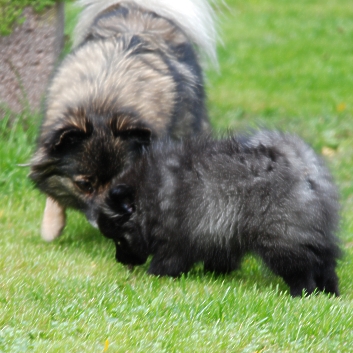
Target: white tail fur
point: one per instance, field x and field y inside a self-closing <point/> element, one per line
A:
<point x="194" y="17"/>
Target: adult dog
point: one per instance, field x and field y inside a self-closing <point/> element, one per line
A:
<point x="134" y="75"/>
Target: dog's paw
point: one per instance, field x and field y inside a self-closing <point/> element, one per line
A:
<point x="53" y="220"/>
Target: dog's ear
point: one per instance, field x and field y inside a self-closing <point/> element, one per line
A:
<point x="121" y="199"/>
<point x="139" y="135"/>
<point x="73" y="131"/>
<point x="67" y="137"/>
<point x="127" y="126"/>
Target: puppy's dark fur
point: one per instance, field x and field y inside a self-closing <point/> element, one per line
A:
<point x="214" y="201"/>
<point x="134" y="76"/>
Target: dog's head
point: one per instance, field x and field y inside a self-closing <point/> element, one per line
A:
<point x="115" y="222"/>
<point x="80" y="153"/>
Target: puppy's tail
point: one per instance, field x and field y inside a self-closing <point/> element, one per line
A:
<point x="194" y="17"/>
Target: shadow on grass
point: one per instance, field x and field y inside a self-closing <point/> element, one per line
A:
<point x="89" y="241"/>
<point x="252" y="274"/>
<point x="79" y="237"/>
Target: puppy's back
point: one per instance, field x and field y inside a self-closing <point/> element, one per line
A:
<point x="230" y="188"/>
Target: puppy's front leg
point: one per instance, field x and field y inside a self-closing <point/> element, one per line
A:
<point x="173" y="265"/>
<point x="54" y="220"/>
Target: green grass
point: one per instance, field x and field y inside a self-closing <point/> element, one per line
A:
<point x="285" y="65"/>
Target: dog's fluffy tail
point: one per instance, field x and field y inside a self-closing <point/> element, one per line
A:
<point x="194" y="17"/>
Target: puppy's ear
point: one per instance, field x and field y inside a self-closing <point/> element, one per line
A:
<point x="121" y="199"/>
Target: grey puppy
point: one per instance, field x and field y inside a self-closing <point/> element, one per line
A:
<point x="134" y="75"/>
<point x="214" y="201"/>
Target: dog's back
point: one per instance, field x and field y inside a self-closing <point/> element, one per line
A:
<point x="129" y="57"/>
<point x="193" y="17"/>
<point x="163" y="42"/>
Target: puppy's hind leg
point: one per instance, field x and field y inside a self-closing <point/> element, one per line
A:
<point x="53" y="220"/>
<point x="293" y="265"/>
<point x="326" y="278"/>
<point x="300" y="283"/>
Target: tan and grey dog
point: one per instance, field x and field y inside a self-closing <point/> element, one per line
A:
<point x="133" y="75"/>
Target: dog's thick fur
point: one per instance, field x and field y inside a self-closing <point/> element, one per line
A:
<point x="133" y="76"/>
<point x="214" y="201"/>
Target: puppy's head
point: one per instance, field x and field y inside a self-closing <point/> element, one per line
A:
<point x="79" y="154"/>
<point x="115" y="222"/>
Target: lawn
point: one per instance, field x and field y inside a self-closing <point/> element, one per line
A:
<point x="285" y="65"/>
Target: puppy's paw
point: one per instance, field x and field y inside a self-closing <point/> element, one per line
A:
<point x="53" y="220"/>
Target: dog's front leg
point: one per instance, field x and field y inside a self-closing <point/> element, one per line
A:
<point x="54" y="220"/>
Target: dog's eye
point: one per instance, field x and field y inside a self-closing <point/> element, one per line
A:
<point x="84" y="186"/>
